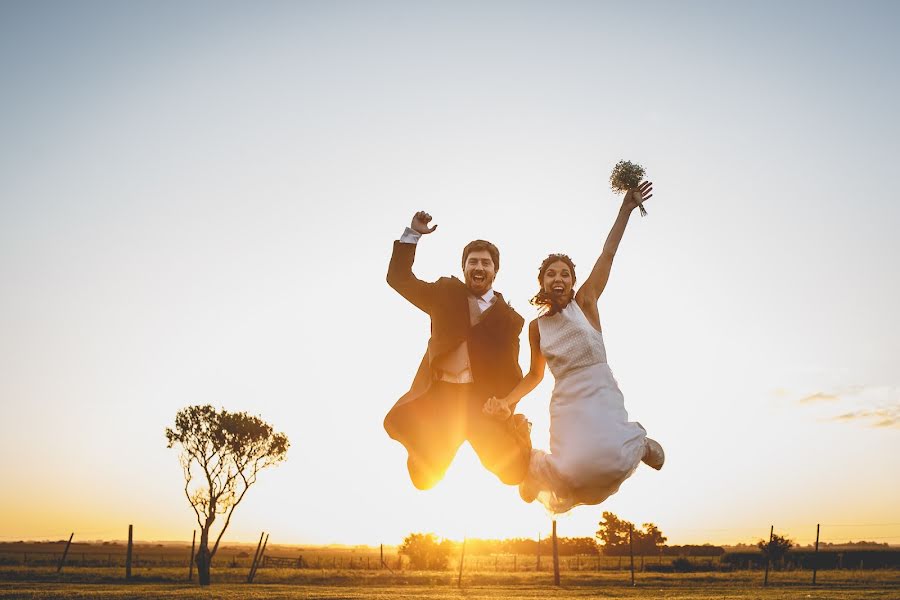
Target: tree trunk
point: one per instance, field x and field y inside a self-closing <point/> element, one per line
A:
<point x="203" y="559"/>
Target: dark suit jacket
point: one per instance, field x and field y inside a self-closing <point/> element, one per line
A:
<point x="493" y="343"/>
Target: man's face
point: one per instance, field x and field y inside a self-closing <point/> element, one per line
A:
<point x="479" y="271"/>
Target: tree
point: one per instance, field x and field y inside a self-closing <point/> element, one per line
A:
<point x="613" y="534"/>
<point x="574" y="546"/>
<point x="775" y="549"/>
<point x="425" y="552"/>
<point x="649" y="540"/>
<point x="221" y="455"/>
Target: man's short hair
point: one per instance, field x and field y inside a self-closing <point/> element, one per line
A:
<point x="482" y="245"/>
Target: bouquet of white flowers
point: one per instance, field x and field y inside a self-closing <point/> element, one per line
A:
<point x="625" y="176"/>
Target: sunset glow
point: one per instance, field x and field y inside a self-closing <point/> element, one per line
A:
<point x="198" y="202"/>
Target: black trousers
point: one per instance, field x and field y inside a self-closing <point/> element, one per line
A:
<point x="433" y="426"/>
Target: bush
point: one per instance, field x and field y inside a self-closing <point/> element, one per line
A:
<point x="425" y="553"/>
<point x="682" y="565"/>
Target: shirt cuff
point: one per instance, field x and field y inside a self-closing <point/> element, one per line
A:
<point x="410" y="236"/>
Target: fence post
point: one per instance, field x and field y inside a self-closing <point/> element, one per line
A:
<point x="191" y="559"/>
<point x="816" y="554"/>
<point x="255" y="558"/>
<point x="555" y="557"/>
<point x="65" y="552"/>
<point x="259" y="560"/>
<point x="631" y="551"/>
<point x="462" y="560"/>
<point x="768" y="555"/>
<point x="128" y="554"/>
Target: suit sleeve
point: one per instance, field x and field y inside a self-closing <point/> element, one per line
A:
<point x="401" y="278"/>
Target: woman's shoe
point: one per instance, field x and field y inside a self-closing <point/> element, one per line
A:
<point x="654" y="456"/>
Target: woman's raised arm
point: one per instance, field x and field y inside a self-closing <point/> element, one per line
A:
<point x="593" y="286"/>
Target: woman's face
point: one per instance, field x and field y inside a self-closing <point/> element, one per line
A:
<point x="558" y="280"/>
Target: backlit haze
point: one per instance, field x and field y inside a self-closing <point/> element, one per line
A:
<point x="198" y="201"/>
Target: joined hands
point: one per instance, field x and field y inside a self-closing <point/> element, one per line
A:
<point x="497" y="408"/>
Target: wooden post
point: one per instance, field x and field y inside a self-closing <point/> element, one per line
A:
<point x="631" y="551"/>
<point x="128" y="554"/>
<point x="768" y="555"/>
<point x="262" y="555"/>
<point x="384" y="565"/>
<point x="255" y="558"/>
<point x="462" y="560"/>
<point x="555" y="557"/>
<point x="62" y="559"/>
<point x="259" y="560"/>
<point x="816" y="554"/>
<point x="191" y="560"/>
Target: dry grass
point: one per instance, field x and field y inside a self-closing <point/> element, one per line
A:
<point x="48" y="591"/>
<point x="106" y="583"/>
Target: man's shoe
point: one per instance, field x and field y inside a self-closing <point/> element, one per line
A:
<point x="653" y="454"/>
<point x="527" y="490"/>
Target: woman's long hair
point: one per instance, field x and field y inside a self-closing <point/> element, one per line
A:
<point x="546" y="302"/>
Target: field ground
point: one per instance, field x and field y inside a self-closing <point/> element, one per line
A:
<point x="41" y="583"/>
<point x="48" y="591"/>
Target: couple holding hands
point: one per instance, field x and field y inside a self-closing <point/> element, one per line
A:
<point x="469" y="382"/>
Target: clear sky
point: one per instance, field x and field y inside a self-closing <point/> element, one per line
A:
<point x="198" y="200"/>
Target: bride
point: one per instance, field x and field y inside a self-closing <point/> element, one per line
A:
<point x="593" y="445"/>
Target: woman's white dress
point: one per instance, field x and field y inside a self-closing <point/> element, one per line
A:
<point x="593" y="445"/>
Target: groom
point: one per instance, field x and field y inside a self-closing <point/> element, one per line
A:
<point x="473" y="354"/>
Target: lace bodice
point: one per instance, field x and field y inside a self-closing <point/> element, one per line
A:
<point x="569" y="341"/>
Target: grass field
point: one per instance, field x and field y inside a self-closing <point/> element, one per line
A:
<point x="236" y="592"/>
<point x="108" y="584"/>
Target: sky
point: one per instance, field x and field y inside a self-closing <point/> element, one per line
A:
<point x="198" y="202"/>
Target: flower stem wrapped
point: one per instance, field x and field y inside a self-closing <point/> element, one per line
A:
<point x="626" y="176"/>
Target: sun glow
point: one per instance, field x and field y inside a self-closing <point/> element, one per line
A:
<point x="472" y="502"/>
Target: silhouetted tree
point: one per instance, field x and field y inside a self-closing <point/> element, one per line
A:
<point x="581" y="545"/>
<point x="775" y="549"/>
<point x="613" y="536"/>
<point x="649" y="540"/>
<point x="221" y="455"/>
<point x="425" y="552"/>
